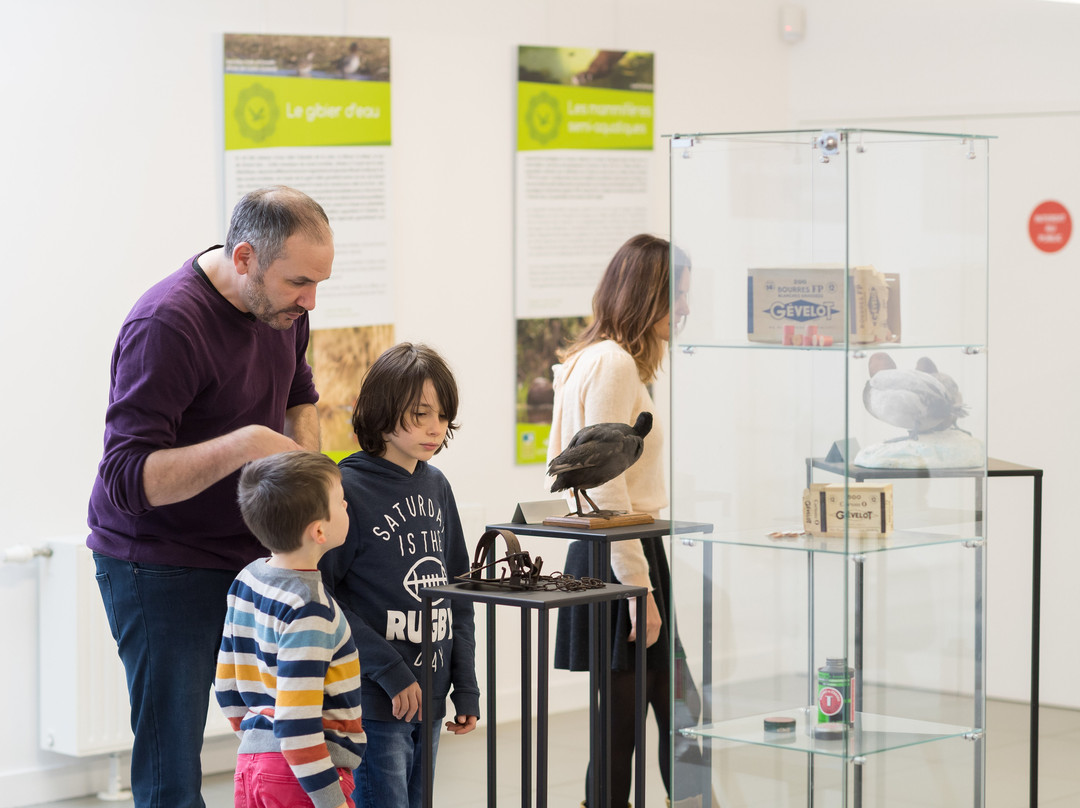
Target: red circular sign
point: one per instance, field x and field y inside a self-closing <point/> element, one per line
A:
<point x="830" y="700"/>
<point x="1050" y="226"/>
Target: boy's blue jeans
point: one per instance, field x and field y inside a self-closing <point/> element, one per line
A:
<point x="167" y="623"/>
<point x="391" y="772"/>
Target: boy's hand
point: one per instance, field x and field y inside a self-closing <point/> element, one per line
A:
<point x="408" y="702"/>
<point x="461" y="724"/>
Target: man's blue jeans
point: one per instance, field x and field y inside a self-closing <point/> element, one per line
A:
<point x="391" y="773"/>
<point x="167" y="624"/>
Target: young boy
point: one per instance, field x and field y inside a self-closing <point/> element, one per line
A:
<point x="288" y="677"/>
<point x="404" y="534"/>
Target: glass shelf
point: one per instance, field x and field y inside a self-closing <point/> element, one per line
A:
<point x="855" y="347"/>
<point x="897" y="540"/>
<point x="871" y="734"/>
<point x="786" y="135"/>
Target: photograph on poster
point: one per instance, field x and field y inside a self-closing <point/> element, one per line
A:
<point x="584" y="67"/>
<point x="538" y="341"/>
<point x="339" y="358"/>
<point x="317" y="57"/>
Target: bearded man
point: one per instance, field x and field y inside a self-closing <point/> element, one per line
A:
<point x="208" y="373"/>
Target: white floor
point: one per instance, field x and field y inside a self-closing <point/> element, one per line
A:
<point x="919" y="780"/>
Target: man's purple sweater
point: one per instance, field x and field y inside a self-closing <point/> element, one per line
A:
<point x="189" y="366"/>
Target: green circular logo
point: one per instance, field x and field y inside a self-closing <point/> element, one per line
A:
<point x="256" y="112"/>
<point x="543" y="117"/>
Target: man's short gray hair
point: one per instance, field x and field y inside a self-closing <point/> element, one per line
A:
<point x="266" y="218"/>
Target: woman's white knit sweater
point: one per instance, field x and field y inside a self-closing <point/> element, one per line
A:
<point x="600" y="384"/>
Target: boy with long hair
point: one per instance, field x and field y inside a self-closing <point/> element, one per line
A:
<point x="404" y="533"/>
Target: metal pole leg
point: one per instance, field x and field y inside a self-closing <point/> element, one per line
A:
<point x="641" y="707"/>
<point x="526" y="709"/>
<point x="492" y="746"/>
<point x="1036" y="585"/>
<point x="425" y="700"/>
<point x="542" y="708"/>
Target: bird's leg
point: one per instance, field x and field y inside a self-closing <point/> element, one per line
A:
<point x="577" y="501"/>
<point x="596" y="511"/>
<point x="588" y="499"/>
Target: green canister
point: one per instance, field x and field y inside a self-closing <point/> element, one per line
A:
<point x="834" y="693"/>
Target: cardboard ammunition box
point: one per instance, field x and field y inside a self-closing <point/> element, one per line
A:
<point x="867" y="514"/>
<point x="815" y="296"/>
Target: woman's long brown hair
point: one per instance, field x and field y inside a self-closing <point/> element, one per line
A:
<point x="632" y="296"/>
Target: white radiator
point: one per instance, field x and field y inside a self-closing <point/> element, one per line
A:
<point x="82" y="693"/>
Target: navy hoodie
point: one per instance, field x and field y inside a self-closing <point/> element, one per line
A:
<point x="404" y="534"/>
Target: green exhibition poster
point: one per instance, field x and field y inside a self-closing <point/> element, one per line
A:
<point x="313" y="113"/>
<point x="575" y="98"/>
<point x="288" y="91"/>
<point x="263" y="112"/>
<point x="582" y="118"/>
<point x="584" y="131"/>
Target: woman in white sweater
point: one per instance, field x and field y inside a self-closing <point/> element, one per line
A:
<point x="604" y="377"/>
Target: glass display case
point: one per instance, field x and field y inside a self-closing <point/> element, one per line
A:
<point x="828" y="396"/>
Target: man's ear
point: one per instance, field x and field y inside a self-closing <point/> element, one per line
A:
<point x="243" y="258"/>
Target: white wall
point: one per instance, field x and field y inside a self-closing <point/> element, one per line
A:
<point x="111" y="176"/>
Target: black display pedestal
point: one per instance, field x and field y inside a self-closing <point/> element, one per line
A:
<point x="994" y="468"/>
<point x="600" y="540"/>
<point x="542" y="602"/>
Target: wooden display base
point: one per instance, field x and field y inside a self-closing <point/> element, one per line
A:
<point x="593" y="522"/>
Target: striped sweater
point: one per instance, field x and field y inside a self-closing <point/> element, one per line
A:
<point x="288" y="677"/>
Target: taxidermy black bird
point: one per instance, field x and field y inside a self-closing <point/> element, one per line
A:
<point x="596" y="454"/>
<point x="920" y="400"/>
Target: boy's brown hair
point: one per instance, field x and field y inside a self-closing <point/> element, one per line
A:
<point x="282" y="494"/>
<point x="392" y="387"/>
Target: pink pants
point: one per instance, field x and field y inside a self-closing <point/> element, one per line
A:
<point x="266" y="781"/>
